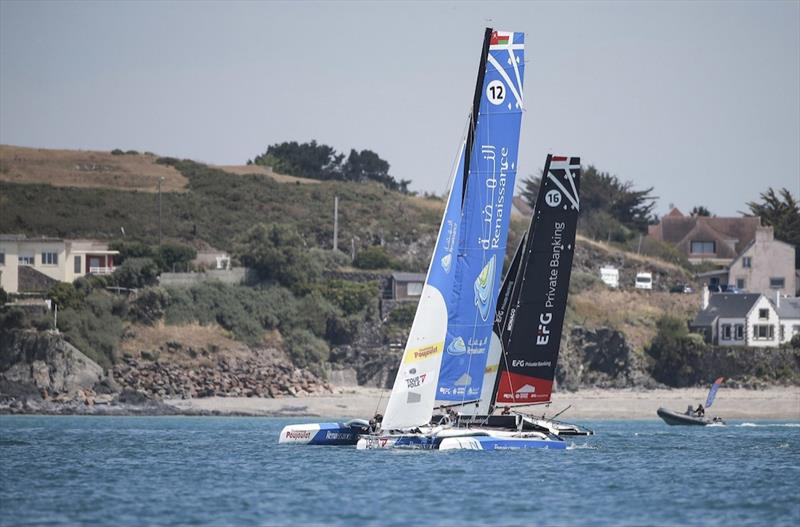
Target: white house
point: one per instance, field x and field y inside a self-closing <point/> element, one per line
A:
<point x="30" y="264"/>
<point x="788" y="309"/>
<point x="738" y="320"/>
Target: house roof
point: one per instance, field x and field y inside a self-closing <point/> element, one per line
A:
<point x="726" y="305"/>
<point x="408" y="277"/>
<point x="678" y="230"/>
<point x="789" y="308"/>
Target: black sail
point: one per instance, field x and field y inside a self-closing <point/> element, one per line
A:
<point x="532" y="325"/>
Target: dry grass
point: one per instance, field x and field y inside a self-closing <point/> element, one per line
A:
<point x="648" y="260"/>
<point x="242" y="170"/>
<point x="83" y="168"/>
<point x="633" y="312"/>
<point x="206" y="343"/>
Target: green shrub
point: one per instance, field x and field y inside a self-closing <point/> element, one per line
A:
<point x="581" y="281"/>
<point x="65" y="295"/>
<point x="277" y="253"/>
<point x="795" y="342"/>
<point x="94" y="328"/>
<point x="3" y="297"/>
<point x="374" y="257"/>
<point x="117" y="152"/>
<point x="403" y="314"/>
<point x="600" y="225"/>
<point x="149" y="306"/>
<point x="136" y="273"/>
<point x="175" y="257"/>
<point x="307" y="350"/>
<point x="350" y="297"/>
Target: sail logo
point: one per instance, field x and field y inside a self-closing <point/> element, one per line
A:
<point x="525" y="393"/>
<point x="483" y="288"/>
<point x="543" y="335"/>
<point x="562" y="168"/>
<point x="446" y="262"/>
<point x="457" y="347"/>
<point x="553" y="198"/>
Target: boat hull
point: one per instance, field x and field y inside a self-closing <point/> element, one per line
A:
<point x="462" y="439"/>
<point x="329" y="434"/>
<point x="678" y="419"/>
<point x="492" y="443"/>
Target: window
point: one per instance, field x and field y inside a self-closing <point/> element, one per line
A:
<point x="703" y="248"/>
<point x="763" y="332"/>
<point x="25" y="259"/>
<point x="776" y="282"/>
<point x="2" y="258"/>
<point x="740" y="283"/>
<point x="49" y="258"/>
<point x="77" y="268"/>
<point x="763" y="313"/>
<point x="739" y="331"/>
<point x="747" y="262"/>
<point x="414" y="288"/>
<point x="726" y="331"/>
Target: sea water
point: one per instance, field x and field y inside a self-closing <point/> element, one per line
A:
<point x="134" y="471"/>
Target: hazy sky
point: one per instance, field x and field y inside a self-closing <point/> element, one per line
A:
<point x="699" y="100"/>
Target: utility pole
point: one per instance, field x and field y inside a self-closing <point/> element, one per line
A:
<point x="335" y="223"/>
<point x="160" y="179"/>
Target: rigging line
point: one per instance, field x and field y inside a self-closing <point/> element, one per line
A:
<point x="377" y="406"/>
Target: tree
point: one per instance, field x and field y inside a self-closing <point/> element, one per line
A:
<point x="700" y="210"/>
<point x="310" y="160"/>
<point x="782" y="212"/>
<point x="604" y="192"/>
<point x="317" y="161"/>
<point x="278" y="253"/>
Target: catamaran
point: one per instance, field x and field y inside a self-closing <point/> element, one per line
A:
<point x="459" y="334"/>
<point x="457" y="304"/>
<point x="525" y="340"/>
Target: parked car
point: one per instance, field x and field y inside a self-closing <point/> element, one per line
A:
<point x="681" y="288"/>
<point x="644" y="280"/>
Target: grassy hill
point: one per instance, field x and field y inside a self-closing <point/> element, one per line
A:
<point x="200" y="202"/>
<point x="54" y="193"/>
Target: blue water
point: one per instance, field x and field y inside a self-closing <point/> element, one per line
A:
<point x="133" y="471"/>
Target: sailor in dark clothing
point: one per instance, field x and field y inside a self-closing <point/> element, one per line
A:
<point x="700" y="412"/>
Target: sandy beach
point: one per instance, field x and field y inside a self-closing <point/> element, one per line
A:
<point x="770" y="403"/>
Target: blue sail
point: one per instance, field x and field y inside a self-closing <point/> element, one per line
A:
<point x="490" y="167"/>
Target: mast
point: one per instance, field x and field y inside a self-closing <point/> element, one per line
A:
<point x="531" y="334"/>
<point x="476" y="106"/>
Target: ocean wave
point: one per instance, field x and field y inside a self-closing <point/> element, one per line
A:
<point x="582" y="446"/>
<point x="768" y="425"/>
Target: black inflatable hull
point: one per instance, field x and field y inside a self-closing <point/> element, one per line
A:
<point x="674" y="418"/>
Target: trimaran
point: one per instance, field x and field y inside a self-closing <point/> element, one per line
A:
<point x="464" y="350"/>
